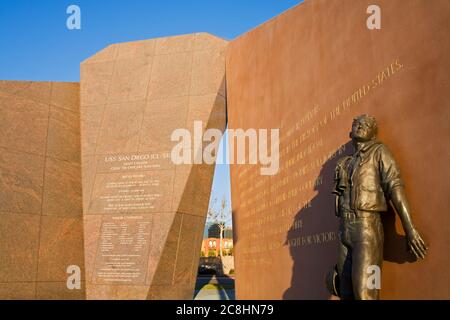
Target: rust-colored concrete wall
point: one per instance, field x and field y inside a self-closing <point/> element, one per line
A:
<point x="41" y="229"/>
<point x="309" y="72"/>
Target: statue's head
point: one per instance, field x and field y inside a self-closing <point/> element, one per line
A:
<point x="364" y="128"/>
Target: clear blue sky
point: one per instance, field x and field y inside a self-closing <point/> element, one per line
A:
<point x="36" y="44"/>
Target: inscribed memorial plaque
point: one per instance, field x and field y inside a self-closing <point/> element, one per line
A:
<point x="143" y="214"/>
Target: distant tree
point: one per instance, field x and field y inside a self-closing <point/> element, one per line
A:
<point x="211" y="253"/>
<point x="219" y="216"/>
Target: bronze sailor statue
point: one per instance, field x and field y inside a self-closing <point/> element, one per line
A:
<point x="365" y="182"/>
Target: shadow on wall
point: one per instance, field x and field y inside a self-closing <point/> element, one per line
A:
<point x="177" y="265"/>
<point x="312" y="262"/>
<point x="395" y="249"/>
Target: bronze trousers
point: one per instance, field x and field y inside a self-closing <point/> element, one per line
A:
<point x="361" y="240"/>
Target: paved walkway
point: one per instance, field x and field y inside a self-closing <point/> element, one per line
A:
<point x="214" y="288"/>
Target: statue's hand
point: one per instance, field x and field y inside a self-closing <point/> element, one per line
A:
<point x="416" y="245"/>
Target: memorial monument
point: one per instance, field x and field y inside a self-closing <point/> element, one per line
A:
<point x="364" y="183"/>
<point x="105" y="196"/>
<point x="144" y="215"/>
<point x="88" y="184"/>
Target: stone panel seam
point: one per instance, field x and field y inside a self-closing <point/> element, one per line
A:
<point x="77" y="113"/>
<point x="194" y="259"/>
<point x="17" y="212"/>
<point x="178" y="248"/>
<point x="29" y="83"/>
<point x="146" y="103"/>
<point x="90" y="106"/>
<point x="43" y="193"/>
<point x="38" y="155"/>
<point x="18" y="95"/>
<point x="98" y="135"/>
<point x="133" y="56"/>
<point x="92" y="275"/>
<point x="174" y="205"/>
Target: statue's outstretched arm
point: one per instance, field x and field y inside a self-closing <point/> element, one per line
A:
<point x="415" y="242"/>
